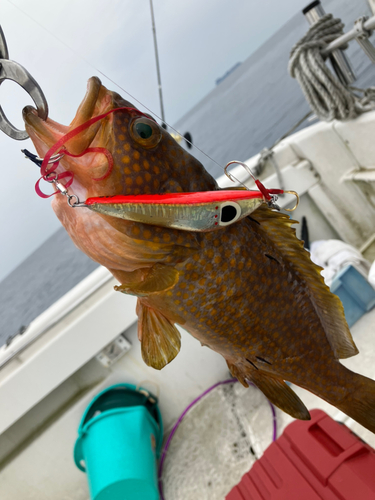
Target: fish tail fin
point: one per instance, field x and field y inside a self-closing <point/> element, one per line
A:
<point x="360" y="403"/>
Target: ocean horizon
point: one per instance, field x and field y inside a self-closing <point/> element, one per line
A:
<point x="258" y="102"/>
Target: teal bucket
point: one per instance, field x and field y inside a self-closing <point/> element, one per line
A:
<point x="119" y="440"/>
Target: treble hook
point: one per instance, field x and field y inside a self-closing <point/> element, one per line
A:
<point x="10" y="70"/>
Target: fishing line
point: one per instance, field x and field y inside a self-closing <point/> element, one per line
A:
<point x="119" y="86"/>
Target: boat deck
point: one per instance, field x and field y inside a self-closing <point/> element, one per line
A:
<point x="46" y="458"/>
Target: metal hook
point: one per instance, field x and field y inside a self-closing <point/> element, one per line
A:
<point x="297" y="201"/>
<point x="10" y="70"/>
<point x="272" y="201"/>
<point x="246" y="167"/>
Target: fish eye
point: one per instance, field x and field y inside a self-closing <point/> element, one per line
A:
<point x="145" y="132"/>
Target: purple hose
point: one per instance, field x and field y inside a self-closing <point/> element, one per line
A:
<point x="274" y="418"/>
<point x="177" y="424"/>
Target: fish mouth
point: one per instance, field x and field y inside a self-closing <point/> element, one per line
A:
<point x="45" y="134"/>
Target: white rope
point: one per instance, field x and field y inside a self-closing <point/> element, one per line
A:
<point x="328" y="98"/>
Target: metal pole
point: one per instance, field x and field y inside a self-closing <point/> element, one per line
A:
<point x="157" y="66"/>
<point x="368" y="25"/>
<point x="339" y="61"/>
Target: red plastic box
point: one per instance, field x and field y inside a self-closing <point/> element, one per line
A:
<point x="315" y="460"/>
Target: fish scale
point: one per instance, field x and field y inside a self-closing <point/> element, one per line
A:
<point x="225" y="301"/>
<point x="248" y="290"/>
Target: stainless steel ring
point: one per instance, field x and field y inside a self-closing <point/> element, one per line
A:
<point x="50" y="179"/>
<point x="70" y="197"/>
<point x="10" y="70"/>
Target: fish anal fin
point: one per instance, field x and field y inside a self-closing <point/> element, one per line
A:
<point x="237" y="373"/>
<point x="159" y="278"/>
<point x="130" y="278"/>
<point x="280" y="394"/>
<point x="160" y="339"/>
<point x="278" y="228"/>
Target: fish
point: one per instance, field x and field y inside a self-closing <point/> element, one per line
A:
<point x="247" y="290"/>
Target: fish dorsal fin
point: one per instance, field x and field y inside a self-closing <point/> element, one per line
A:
<point x="159" y="278"/>
<point x="280" y="394"/>
<point x="328" y="306"/>
<point x="160" y="339"/>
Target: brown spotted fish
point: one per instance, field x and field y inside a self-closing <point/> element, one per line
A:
<point x="247" y="290"/>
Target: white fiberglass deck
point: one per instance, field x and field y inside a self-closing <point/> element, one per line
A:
<point x="45" y="462"/>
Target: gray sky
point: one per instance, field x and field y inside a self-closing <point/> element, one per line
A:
<point x="62" y="43"/>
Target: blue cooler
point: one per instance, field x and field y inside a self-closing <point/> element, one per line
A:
<point x="355" y="292"/>
<point x="119" y="441"/>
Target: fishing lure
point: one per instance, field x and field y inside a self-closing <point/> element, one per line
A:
<point x="202" y="211"/>
<point x="195" y="211"/>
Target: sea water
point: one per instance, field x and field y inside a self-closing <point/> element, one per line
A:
<point x="257" y="103"/>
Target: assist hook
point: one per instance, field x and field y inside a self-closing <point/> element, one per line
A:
<point x="270" y="195"/>
<point x="10" y="70"/>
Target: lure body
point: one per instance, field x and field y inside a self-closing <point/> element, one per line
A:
<point x="204" y="211"/>
<point x="248" y="290"/>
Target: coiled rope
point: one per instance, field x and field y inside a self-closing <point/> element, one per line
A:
<point x="328" y="98"/>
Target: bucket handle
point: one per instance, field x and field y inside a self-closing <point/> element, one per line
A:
<point x="141" y="388"/>
<point x="78" y="456"/>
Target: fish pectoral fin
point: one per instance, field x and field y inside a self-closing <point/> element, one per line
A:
<point x="159" y="278"/>
<point x="160" y="339"/>
<point x="280" y="394"/>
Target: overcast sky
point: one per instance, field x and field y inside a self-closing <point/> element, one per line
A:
<point x="62" y="43"/>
